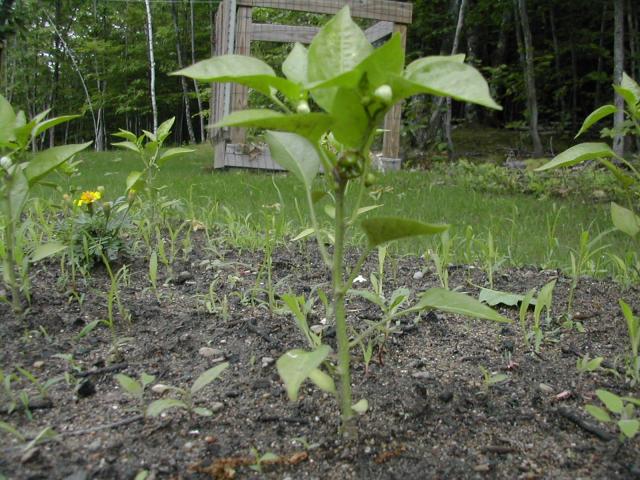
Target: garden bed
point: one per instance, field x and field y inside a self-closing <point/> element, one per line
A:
<point x="430" y="415"/>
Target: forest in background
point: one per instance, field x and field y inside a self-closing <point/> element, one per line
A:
<point x="553" y="60"/>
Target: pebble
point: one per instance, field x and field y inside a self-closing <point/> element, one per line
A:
<point x="215" y="407"/>
<point x="184" y="276"/>
<point x="418" y="275"/>
<point x="188" y="445"/>
<point x="210" y="352"/>
<point x="267" y="361"/>
<point x="545" y="388"/>
<point x="38" y="364"/>
<point x="160" y="388"/>
<point x="422" y="375"/>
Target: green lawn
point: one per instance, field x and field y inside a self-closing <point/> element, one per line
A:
<point x="520" y="225"/>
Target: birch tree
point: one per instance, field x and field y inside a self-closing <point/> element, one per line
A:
<point x="618" y="67"/>
<point x="152" y="66"/>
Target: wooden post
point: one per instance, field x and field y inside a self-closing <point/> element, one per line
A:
<point x="240" y="96"/>
<point x="218" y="89"/>
<point x="391" y="139"/>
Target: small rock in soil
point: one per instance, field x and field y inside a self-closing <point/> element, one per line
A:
<point x="418" y="275"/>
<point x="183" y="277"/>
<point x="77" y="475"/>
<point x="267" y="361"/>
<point x="160" y="388"/>
<point x="86" y="389"/>
<point x="544" y="388"/>
<point x="38" y="364"/>
<point x="210" y="352"/>
<point x="446" y="396"/>
<point x="215" y="407"/>
<point x="422" y="375"/>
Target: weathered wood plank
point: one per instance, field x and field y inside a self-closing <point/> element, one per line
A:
<point x="392" y="121"/>
<point x="379" y="31"/>
<point x="259" y="157"/>
<point x="388" y="10"/>
<point x="240" y="95"/>
<point x="283" y="33"/>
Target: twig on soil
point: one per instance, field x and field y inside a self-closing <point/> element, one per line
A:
<point x="500" y="449"/>
<point x="587" y="426"/>
<point x="99" y="371"/>
<point x="108" y="426"/>
<point x="260" y="333"/>
<point x="36" y="404"/>
<point x="274" y="418"/>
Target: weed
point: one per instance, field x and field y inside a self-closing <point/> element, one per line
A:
<point x="623" y="410"/>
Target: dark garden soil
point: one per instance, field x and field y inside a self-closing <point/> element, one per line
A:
<point x="429" y="416"/>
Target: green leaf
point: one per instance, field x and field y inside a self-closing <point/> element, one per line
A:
<point x="632" y="86"/>
<point x="11" y="430"/>
<point x="296" y="365"/>
<point x="625" y="180"/>
<point x="146" y="379"/>
<point x="361" y="406"/>
<point x="296" y="154"/>
<point x="44" y="434"/>
<point x="207" y="377"/>
<point x="629" y="427"/>
<point x="598" y="413"/>
<point x="18" y="188"/>
<point x="612" y="401"/>
<point x="129" y="384"/>
<point x="173" y="152"/>
<point x="448" y="78"/>
<point x="52" y="122"/>
<point x="495" y="297"/>
<point x="156" y="407"/>
<point x="350" y="118"/>
<point x="595" y="116"/>
<point x="625" y="220"/>
<point x="578" y="153"/>
<point x="127" y="135"/>
<point x="322" y="380"/>
<point x="308" y="125"/>
<point x="203" y="412"/>
<point x="47" y="250"/>
<point x="47" y="160"/>
<point x="295" y="65"/>
<point x="425" y="62"/>
<point x="128" y="145"/>
<point x="385" y="229"/>
<point x="368" y="295"/>
<point x="456" y="302"/>
<point x="7" y="122"/>
<point x="88" y="328"/>
<point x="338" y="47"/>
<point x="133" y="179"/>
<point x="164" y="129"/>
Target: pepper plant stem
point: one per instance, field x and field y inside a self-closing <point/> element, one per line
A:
<point x="9" y="266"/>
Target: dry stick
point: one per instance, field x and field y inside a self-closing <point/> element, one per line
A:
<point x="587" y="426"/>
<point x="99" y="371"/>
<point x="107" y="426"/>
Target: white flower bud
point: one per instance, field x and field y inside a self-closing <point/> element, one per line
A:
<point x="384" y="94"/>
<point x="5" y="163"/>
<point x="303" y="107"/>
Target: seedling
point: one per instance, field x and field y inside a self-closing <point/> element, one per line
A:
<point x="491" y="379"/>
<point x="620" y="411"/>
<point x="355" y="85"/>
<point x="46" y="433"/>
<point x="261" y="459"/>
<point x="543" y="302"/>
<point x="185" y="400"/>
<point x="588" y="365"/>
<point x="135" y="388"/>
<point x="633" y="329"/>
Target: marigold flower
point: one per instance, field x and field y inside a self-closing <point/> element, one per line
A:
<point x="88" y="198"/>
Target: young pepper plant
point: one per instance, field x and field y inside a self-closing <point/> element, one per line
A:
<point x="354" y="86"/>
<point x="19" y="172"/>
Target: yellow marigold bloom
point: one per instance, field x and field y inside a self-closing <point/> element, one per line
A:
<point x="88" y="197"/>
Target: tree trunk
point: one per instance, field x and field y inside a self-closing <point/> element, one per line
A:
<point x="196" y="88"/>
<point x="603" y="23"/>
<point x="633" y="38"/>
<point x="529" y="77"/>
<point x="152" y="67"/>
<point x="183" y="80"/>
<point x="5" y="15"/>
<point x="618" y="67"/>
<point x="454" y="50"/>
<point x="560" y="100"/>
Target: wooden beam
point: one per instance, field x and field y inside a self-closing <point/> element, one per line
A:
<point x="240" y="96"/>
<point x="282" y="33"/>
<point x="388" y="10"/>
<point x="378" y="31"/>
<point x="392" y="121"/>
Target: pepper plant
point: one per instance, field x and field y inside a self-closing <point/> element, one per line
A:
<point x="20" y="171"/>
<point x="331" y="103"/>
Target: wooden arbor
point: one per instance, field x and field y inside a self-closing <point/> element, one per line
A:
<point x="234" y="33"/>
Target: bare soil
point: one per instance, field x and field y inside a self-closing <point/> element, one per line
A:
<point x="429" y="415"/>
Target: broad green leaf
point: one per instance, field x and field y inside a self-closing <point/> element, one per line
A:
<point x="598" y="413"/>
<point x="296" y="154"/>
<point x="459" y="303"/>
<point x="127" y="135"/>
<point x="612" y="401"/>
<point x="425" y="62"/>
<point x="47" y="250"/>
<point x="153" y="138"/>
<point x="544" y="298"/>
<point x="248" y="71"/>
<point x="52" y="122"/>
<point x="350" y="118"/>
<point x="164" y="129"/>
<point x="361" y="406"/>
<point x="295" y="65"/>
<point x="173" y="152"/>
<point x="309" y="125"/>
<point x="595" y="116"/>
<point x="338" y="47"/>
<point x="449" y="78"/>
<point x="132" y="179"/>
<point x="295" y="366"/>
<point x="156" y="407"/>
<point x="18" y="188"/>
<point x="322" y="380"/>
<point x="129" y="384"/>
<point x="625" y="220"/>
<point x="207" y="377"/>
<point x="203" y="412"/>
<point x="385" y="229"/>
<point x="629" y="427"/>
<point x="47" y="160"/>
<point x="578" y="153"/>
<point x="146" y="379"/>
<point x="495" y="297"/>
<point x="7" y="121"/>
<point x="632" y="86"/>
